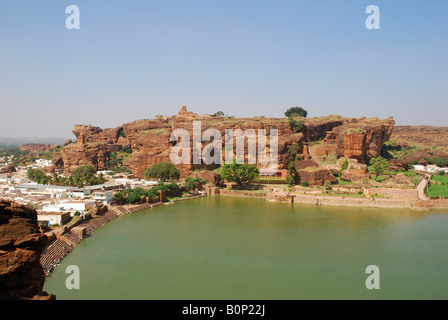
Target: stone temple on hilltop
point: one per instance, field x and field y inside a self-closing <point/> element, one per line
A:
<point x="185" y="115"/>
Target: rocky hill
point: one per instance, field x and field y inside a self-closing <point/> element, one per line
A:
<point x="418" y="143"/>
<point x="149" y="140"/>
<point x="21" y="274"/>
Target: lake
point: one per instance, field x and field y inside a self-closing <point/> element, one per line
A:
<point x="223" y="247"/>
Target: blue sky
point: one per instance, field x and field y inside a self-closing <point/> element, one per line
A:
<point x="136" y="59"/>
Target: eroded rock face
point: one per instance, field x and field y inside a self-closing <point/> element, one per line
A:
<point x="34" y="147"/>
<point x="363" y="140"/>
<point x="315" y="176"/>
<point x="21" y="274"/>
<point x="77" y="154"/>
<point x="149" y="140"/>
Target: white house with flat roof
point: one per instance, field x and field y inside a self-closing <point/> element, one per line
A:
<point x="78" y="205"/>
<point x="79" y="193"/>
<point x="105" y="197"/>
<point x="44" y="189"/>
<point x="54" y="218"/>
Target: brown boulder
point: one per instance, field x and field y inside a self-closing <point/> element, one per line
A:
<point x="21" y="243"/>
<point x="315" y="176"/>
<point x="355" y="172"/>
<point x="302" y="164"/>
<point x="418" y="157"/>
<point x="398" y="164"/>
<point x="210" y="176"/>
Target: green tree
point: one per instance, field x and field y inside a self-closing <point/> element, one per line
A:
<point x="345" y="164"/>
<point x="296" y="112"/>
<point x="38" y="176"/>
<point x="296" y="125"/>
<point x="83" y="173"/>
<point x="190" y="183"/>
<point x="162" y="171"/>
<point x="240" y="173"/>
<point x="219" y="113"/>
<point x="379" y="165"/>
<point x="292" y="174"/>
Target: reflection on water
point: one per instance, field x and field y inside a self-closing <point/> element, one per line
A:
<point x="239" y="248"/>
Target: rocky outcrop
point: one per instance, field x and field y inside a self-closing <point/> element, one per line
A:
<point x="398" y="165"/>
<point x="21" y="274"/>
<point x="315" y="176"/>
<point x="149" y="140"/>
<point x="77" y="154"/>
<point x="418" y="157"/>
<point x="355" y="172"/>
<point x="210" y="176"/>
<point x="34" y="147"/>
<point x="362" y="140"/>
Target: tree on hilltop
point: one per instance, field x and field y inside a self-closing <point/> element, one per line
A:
<point x="296" y="112"/>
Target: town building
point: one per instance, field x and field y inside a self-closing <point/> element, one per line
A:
<point x="105" y="197"/>
<point x="53" y="218"/>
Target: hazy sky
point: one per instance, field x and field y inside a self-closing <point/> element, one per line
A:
<point x="136" y="59"/>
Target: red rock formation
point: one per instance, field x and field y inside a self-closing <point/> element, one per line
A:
<point x="363" y="140"/>
<point x="21" y="274"/>
<point x="34" y="147"/>
<point x="315" y="176"/>
<point x="355" y="172"/>
<point x="150" y="142"/>
<point x="94" y="154"/>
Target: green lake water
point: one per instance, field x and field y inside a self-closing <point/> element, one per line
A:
<point x="222" y="247"/>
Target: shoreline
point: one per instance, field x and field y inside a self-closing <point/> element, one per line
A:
<point x="65" y="240"/>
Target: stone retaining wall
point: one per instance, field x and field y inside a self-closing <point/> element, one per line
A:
<point x="394" y="193"/>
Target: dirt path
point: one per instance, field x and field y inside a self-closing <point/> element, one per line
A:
<point x="421" y="186"/>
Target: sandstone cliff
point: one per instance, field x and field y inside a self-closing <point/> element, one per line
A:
<point x="21" y="274"/>
<point x="149" y="140"/>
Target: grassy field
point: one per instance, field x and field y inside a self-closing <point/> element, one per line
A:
<point x="438" y="186"/>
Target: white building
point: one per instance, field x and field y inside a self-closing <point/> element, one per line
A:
<point x="79" y="193"/>
<point x="432" y="168"/>
<point x="43" y="189"/>
<point x="105" y="197"/>
<point x="79" y="205"/>
<point x="41" y="163"/>
<point x="54" y="218"/>
<point x="419" y="167"/>
<point x="52" y="208"/>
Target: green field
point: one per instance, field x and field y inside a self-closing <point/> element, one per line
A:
<point x="438" y="186"/>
